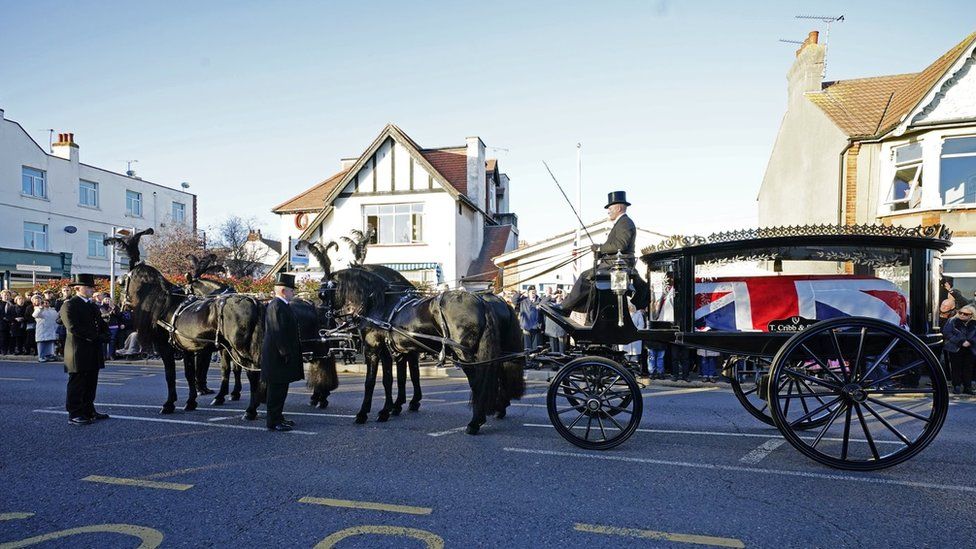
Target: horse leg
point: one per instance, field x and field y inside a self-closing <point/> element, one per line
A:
<point x="202" y="367"/>
<point x="401" y="379"/>
<point x="414" y="363"/>
<point x="372" y="361"/>
<point x="169" y="369"/>
<point x="484" y="387"/>
<point x="387" y="361"/>
<point x="236" y="393"/>
<point x="189" y="372"/>
<point x="224" y="380"/>
<point x="254" y="377"/>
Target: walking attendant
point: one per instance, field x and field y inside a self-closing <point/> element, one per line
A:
<point x="83" y="356"/>
<point x="281" y="357"/>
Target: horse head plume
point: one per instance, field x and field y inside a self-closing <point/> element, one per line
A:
<point x="129" y="245"/>
<point x="359" y="242"/>
<point x="321" y="253"/>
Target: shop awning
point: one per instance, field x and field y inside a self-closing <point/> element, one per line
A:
<point x="13" y="260"/>
<point x="411" y="266"/>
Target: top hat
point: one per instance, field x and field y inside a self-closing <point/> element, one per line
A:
<point x="617" y="197"/>
<point x="285" y="279"/>
<point x="83" y="280"/>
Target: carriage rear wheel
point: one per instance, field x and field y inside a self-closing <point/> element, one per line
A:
<point x="749" y="377"/>
<point x="870" y="376"/>
<point x="595" y="403"/>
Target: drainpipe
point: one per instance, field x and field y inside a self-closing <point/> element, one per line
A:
<point x="841" y="180"/>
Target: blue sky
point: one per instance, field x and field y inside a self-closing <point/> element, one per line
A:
<point x="678" y="103"/>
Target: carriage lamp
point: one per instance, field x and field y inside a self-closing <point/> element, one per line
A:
<point x="619" y="283"/>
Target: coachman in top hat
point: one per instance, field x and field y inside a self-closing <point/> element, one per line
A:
<point x="622" y="238"/>
<point x="281" y="356"/>
<point x="83" y="354"/>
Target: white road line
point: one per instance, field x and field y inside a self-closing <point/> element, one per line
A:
<point x="217" y="410"/>
<point x="222" y="418"/>
<point x="751" y="470"/>
<point x="183" y="422"/>
<point x="726" y="434"/>
<point x="680" y="391"/>
<point x="447" y="432"/>
<point x="762" y="451"/>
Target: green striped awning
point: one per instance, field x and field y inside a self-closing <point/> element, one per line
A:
<point x="411" y="266"/>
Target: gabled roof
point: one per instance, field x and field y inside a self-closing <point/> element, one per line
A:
<point x="452" y="164"/>
<point x="311" y="200"/>
<point x="868" y="107"/>
<point x="483" y="269"/>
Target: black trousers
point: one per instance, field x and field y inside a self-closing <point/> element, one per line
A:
<point x="961" y="367"/>
<point x="80" y="400"/>
<point x="277" y="392"/>
<point x="576" y="298"/>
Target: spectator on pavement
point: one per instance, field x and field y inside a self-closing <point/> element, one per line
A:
<point x="530" y="321"/>
<point x="960" y="344"/>
<point x="47" y="330"/>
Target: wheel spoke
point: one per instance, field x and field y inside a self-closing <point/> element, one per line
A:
<point x="817" y="411"/>
<point x="599" y="421"/>
<point x="621" y="429"/>
<point x="899" y="391"/>
<point x="882" y="357"/>
<point x="589" y="423"/>
<point x="612" y="383"/>
<point x="789" y="391"/>
<point x="619" y="410"/>
<point x="886" y="424"/>
<point x="900" y="409"/>
<point x="750" y="391"/>
<point x="867" y="432"/>
<point x="833" y="417"/>
<point x="575" y="421"/>
<point x="898" y="373"/>
<point x="859" y="355"/>
<point x="847" y="435"/>
<point x="811" y="379"/>
<point x="577" y="408"/>
<point x="814" y="393"/>
<point x="844" y="368"/>
<point x="804" y="396"/>
<point x="825" y="367"/>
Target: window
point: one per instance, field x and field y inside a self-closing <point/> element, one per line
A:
<point x="906" y="186"/>
<point x="33" y="182"/>
<point x="179" y="212"/>
<point x="35" y="236"/>
<point x="957" y="173"/>
<point x="96" y="246"/>
<point x="87" y="193"/>
<point x="133" y="203"/>
<point x="395" y="223"/>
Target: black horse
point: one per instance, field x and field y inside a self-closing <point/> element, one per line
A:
<point x="199" y="286"/>
<point x="455" y="322"/>
<point x="397" y="287"/>
<point x="512" y="374"/>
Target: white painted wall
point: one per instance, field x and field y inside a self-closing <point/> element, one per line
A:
<point x="61" y="208"/>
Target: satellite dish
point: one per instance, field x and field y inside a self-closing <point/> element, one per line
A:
<point x="71" y="229"/>
<point x="185" y="185"/>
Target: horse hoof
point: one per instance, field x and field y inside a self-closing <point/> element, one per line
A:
<point x="206" y="391"/>
<point x="383" y="416"/>
<point x="218" y="401"/>
<point x="396" y="410"/>
<point x="472" y="429"/>
<point x="190" y="406"/>
<point x="323" y="404"/>
<point x="249" y="416"/>
<point x="313" y="403"/>
<point x="360" y="419"/>
<point x="500" y="414"/>
<point x="167" y="409"/>
<point x="235" y="396"/>
<point x="414" y="406"/>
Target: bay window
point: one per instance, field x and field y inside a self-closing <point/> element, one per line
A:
<point x="906" y="186"/>
<point x="957" y="171"/>
<point x="394" y="223"/>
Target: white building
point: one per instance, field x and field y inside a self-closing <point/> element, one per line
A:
<point x="55" y="210"/>
<point x="547" y="263"/>
<point x="262" y="250"/>
<point x="440" y="215"/>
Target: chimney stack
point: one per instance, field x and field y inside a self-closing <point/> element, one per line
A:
<point x="806" y="74"/>
<point x="476" y="171"/>
<point x="813" y="37"/>
<point x="66" y="147"/>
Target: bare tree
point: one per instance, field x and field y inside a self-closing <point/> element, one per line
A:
<point x="167" y="249"/>
<point x="231" y="239"/>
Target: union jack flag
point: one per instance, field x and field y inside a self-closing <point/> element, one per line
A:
<point x="750" y="303"/>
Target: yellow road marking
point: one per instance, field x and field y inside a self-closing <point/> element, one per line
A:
<point x="652" y="534"/>
<point x="150" y="537"/>
<point x="137" y="482"/>
<point x="15" y="516"/>
<point x="681" y="391"/>
<point x="367" y="505"/>
<point x="432" y="540"/>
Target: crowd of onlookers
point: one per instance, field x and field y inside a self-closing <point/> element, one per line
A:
<point x="30" y="324"/>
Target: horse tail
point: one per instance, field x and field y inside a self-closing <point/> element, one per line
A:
<point x="322" y="376"/>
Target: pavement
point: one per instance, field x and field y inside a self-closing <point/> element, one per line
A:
<point x="699" y="472"/>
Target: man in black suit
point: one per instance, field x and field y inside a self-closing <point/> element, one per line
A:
<point x="281" y="357"/>
<point x="83" y="355"/>
<point x="621" y="238"/>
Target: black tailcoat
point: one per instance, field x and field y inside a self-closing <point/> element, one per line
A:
<point x="281" y="357"/>
<point x="86" y="332"/>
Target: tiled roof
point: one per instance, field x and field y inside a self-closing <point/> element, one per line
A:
<point x="450" y="163"/>
<point x="311" y="200"/>
<point x="483" y="269"/>
<point x="866" y="107"/>
<point x="273" y="244"/>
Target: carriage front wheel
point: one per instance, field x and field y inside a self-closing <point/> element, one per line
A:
<point x="884" y="391"/>
<point x="595" y="403"/>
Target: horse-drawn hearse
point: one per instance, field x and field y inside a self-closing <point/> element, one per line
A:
<point x="831" y="336"/>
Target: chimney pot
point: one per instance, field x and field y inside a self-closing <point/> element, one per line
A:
<point x="71" y="138"/>
<point x="813" y="37"/>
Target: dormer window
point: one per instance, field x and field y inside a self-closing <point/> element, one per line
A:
<point x="957" y="171"/>
<point x="906" y="186"/>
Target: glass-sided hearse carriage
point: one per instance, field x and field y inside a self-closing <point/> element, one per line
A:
<point x="829" y="333"/>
